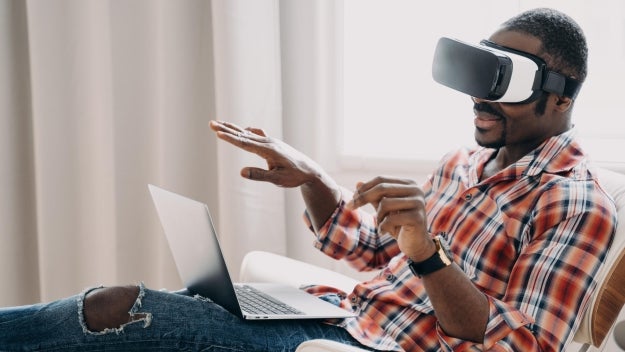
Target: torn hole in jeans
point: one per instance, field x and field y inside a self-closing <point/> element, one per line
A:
<point x="134" y="315"/>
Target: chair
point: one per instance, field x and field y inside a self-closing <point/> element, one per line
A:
<point x="609" y="297"/>
<point x="598" y="321"/>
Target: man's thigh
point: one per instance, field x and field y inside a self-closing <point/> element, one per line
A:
<point x="158" y="320"/>
<point x="190" y="322"/>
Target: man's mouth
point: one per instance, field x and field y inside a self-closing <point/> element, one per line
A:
<point x="486" y="121"/>
<point x="486" y="116"/>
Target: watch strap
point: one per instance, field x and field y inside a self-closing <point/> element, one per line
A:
<point x="440" y="259"/>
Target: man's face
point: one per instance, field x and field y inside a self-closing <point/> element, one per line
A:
<point x="522" y="126"/>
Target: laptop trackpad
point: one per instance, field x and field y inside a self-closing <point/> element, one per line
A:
<point x="311" y="306"/>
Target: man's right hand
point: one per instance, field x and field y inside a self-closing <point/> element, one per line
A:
<point x="286" y="166"/>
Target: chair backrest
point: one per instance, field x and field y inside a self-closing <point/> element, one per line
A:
<point x="609" y="297"/>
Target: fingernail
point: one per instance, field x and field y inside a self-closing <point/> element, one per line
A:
<point x="245" y="173"/>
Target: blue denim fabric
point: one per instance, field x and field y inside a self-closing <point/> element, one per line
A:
<point x="168" y="322"/>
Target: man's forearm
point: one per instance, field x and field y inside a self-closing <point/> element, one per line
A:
<point x="461" y="309"/>
<point x="321" y="197"/>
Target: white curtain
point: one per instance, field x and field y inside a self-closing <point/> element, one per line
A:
<point x="99" y="98"/>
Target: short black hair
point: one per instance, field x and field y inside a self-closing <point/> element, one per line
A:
<point x="563" y="41"/>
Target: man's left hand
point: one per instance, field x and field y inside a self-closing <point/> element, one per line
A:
<point x="400" y="207"/>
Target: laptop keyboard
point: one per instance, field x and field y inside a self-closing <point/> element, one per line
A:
<point x="256" y="302"/>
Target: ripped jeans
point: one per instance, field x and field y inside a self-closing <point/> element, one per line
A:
<point x="162" y="321"/>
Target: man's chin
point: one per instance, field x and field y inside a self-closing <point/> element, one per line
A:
<point x="488" y="140"/>
<point x="489" y="144"/>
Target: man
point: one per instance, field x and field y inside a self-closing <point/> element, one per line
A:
<point x="526" y="223"/>
<point x="511" y="212"/>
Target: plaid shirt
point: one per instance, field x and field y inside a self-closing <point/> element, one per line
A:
<point x="531" y="238"/>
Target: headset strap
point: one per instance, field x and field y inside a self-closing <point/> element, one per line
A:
<point x="559" y="84"/>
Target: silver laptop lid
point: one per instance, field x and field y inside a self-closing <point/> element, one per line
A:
<point x="187" y="224"/>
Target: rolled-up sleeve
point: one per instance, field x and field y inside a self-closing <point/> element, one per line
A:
<point x="503" y="321"/>
<point x="352" y="235"/>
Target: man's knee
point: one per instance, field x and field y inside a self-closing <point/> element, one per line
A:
<point x="110" y="307"/>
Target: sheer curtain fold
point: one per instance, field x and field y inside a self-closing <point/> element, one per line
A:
<point x="18" y="223"/>
<point x="72" y="126"/>
<point x="99" y="98"/>
<point x="248" y="92"/>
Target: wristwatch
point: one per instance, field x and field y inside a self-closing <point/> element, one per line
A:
<point x="440" y="259"/>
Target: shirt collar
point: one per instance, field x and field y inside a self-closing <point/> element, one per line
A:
<point x="556" y="154"/>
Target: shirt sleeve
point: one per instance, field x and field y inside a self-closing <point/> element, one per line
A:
<point x="503" y="321"/>
<point x="352" y="235"/>
<point x="553" y="280"/>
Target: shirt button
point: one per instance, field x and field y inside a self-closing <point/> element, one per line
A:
<point x="390" y="277"/>
<point x="468" y="197"/>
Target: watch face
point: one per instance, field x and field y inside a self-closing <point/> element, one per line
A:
<point x="444" y="246"/>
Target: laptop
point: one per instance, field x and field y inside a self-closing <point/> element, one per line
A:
<point x="195" y="248"/>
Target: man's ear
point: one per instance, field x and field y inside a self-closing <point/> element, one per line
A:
<point x="563" y="103"/>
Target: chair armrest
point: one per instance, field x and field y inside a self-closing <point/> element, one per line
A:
<point x="260" y="266"/>
<point x="320" y="345"/>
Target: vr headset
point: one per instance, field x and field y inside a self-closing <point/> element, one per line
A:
<point x="496" y="73"/>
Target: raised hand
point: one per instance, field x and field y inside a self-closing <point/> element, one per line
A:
<point x="400" y="207"/>
<point x="286" y="166"/>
